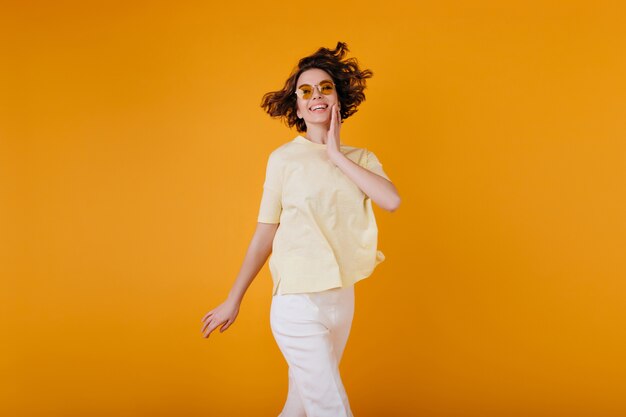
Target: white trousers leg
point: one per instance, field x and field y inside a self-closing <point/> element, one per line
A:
<point x="311" y="330"/>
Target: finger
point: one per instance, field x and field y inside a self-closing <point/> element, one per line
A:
<point x="208" y="324"/>
<point x="213" y="325"/>
<point x="225" y="326"/>
<point x="210" y="329"/>
<point x="207" y="333"/>
<point x="207" y="315"/>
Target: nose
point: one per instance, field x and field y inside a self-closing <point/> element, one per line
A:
<point x="316" y="92"/>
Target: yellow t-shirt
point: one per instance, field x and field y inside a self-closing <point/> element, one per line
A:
<point x="327" y="236"/>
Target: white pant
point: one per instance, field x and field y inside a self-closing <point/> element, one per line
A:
<point x="311" y="330"/>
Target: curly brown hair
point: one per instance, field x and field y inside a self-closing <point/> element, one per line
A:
<point x="348" y="78"/>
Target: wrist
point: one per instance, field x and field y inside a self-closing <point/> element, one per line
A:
<point x="335" y="156"/>
<point x="234" y="298"/>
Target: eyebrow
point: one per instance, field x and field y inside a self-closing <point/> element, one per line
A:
<point x="317" y="83"/>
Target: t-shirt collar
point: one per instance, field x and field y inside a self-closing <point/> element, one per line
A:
<point x="302" y="139"/>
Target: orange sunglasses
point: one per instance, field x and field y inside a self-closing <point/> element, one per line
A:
<point x="325" y="87"/>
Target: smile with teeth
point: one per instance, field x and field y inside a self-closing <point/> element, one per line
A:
<point x="319" y="108"/>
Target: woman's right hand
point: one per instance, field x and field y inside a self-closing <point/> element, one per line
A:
<point x="259" y="249"/>
<point x="224" y="313"/>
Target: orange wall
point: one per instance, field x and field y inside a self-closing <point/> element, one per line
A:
<point x="132" y="155"/>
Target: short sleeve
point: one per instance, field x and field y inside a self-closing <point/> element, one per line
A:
<point x="271" y="201"/>
<point x="373" y="164"/>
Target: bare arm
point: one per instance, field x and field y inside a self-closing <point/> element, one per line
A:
<point x="382" y="191"/>
<point x="258" y="251"/>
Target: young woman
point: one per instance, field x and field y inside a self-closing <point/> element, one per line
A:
<point x="316" y="221"/>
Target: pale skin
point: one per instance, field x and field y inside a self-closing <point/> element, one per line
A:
<point x="322" y="127"/>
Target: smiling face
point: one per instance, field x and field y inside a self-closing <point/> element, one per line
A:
<point x="314" y="77"/>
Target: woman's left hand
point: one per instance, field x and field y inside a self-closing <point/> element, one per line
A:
<point x="333" y="142"/>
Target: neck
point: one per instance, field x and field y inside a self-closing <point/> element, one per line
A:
<point x="316" y="133"/>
